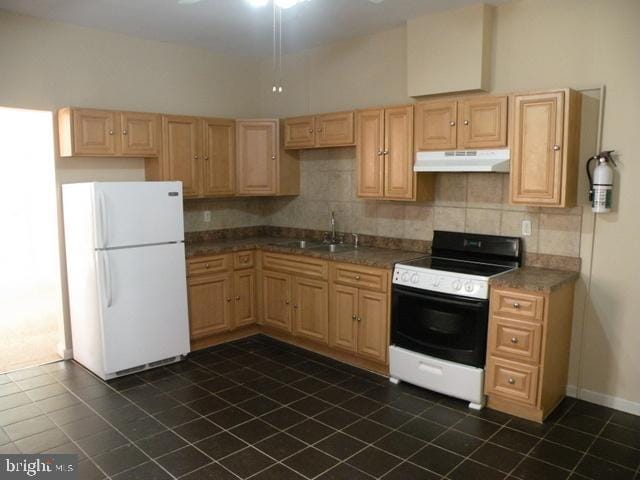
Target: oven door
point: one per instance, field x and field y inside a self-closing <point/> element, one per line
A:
<point x="441" y="325"/>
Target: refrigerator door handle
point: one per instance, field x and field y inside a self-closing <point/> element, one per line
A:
<point x="104" y="223"/>
<point x="106" y="268"/>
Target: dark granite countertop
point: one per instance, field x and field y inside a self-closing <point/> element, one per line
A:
<point x="370" y="256"/>
<point x="534" y="279"/>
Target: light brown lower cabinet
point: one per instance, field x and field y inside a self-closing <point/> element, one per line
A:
<point x="340" y="308"/>
<point x="294" y="303"/>
<point x="528" y="350"/>
<point x="276" y="293"/>
<point x="221" y="298"/>
<point x="359" y="311"/>
<point x="209" y="304"/>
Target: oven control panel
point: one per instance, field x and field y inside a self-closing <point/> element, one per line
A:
<point x="443" y="282"/>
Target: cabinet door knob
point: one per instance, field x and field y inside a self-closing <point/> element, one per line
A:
<point x="206" y="158"/>
<point x="319" y="130"/>
<point x="110" y="132"/>
<point x="195" y="157"/>
<point x="273" y="157"/>
<point x="238" y="298"/>
<point x="452" y="123"/>
<point x="125" y="131"/>
<point x="386" y="152"/>
<point x="286" y="302"/>
<point x="514" y="340"/>
<point x="380" y="152"/>
<point x="206" y="265"/>
<point x="311" y="130"/>
<point x="295" y="306"/>
<point x="359" y="319"/>
<point x="357" y="277"/>
<point x="466" y="122"/>
<point x="556" y="147"/>
<point x="354" y="317"/>
<point x="516" y="305"/>
<point x="228" y="299"/>
<point x="511" y="381"/>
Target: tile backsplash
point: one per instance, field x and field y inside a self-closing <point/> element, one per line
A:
<point x="471" y="202"/>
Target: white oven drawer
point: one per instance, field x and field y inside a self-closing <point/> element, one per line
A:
<point x="449" y="378"/>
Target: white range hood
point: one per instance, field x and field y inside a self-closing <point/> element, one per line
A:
<point x="463" y="161"/>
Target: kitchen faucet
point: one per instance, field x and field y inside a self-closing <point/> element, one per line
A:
<point x="333" y="228"/>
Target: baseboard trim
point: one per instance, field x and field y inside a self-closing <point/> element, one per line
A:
<point x="65" y="353"/>
<point x="603" y="399"/>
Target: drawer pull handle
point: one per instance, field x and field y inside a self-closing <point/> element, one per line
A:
<point x="511" y="381"/>
<point x="514" y="340"/>
<point x="516" y="305"/>
<point x="432" y="369"/>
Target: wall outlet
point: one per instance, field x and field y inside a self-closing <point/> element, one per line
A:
<point x="526" y="228"/>
<point x="207" y="216"/>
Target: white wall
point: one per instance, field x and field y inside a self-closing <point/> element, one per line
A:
<point x="538" y="44"/>
<point x="46" y="65"/>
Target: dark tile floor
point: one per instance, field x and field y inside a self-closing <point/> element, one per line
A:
<point x="261" y="409"/>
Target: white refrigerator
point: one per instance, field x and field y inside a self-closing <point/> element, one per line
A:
<point x="126" y="275"/>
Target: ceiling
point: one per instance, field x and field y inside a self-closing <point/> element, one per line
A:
<point x="234" y="26"/>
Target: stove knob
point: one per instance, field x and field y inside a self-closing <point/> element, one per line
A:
<point x="457" y="285"/>
<point x="405" y="277"/>
<point x="414" y="278"/>
<point x="468" y="287"/>
<point x="436" y="282"/>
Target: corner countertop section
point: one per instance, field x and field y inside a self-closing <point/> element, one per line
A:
<point x="534" y="279"/>
<point x="373" y="257"/>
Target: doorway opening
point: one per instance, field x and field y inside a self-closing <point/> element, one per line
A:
<point x="31" y="318"/>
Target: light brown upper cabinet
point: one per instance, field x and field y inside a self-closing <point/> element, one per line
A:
<point x="468" y="123"/>
<point x="319" y="131"/>
<point x="483" y="122"/>
<point x="108" y="133"/>
<point x="219" y="157"/>
<point x="263" y="168"/>
<point x="300" y="132"/>
<point x="435" y="126"/>
<point x="200" y="153"/>
<point x="181" y="139"/>
<point x="545" y="129"/>
<point x="140" y="134"/>
<point x="384" y="153"/>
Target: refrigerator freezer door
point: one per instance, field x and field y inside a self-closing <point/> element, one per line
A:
<point x="138" y="213"/>
<point x="143" y="297"/>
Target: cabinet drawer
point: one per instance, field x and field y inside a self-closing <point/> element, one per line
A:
<point x="512" y="380"/>
<point x="244" y="260"/>
<point x="296" y="265"/>
<point x="515" y="339"/>
<point x="517" y="305"/>
<point x="206" y="265"/>
<point x="362" y="277"/>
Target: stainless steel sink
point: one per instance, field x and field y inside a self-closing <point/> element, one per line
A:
<point x="334" y="247"/>
<point x="300" y="244"/>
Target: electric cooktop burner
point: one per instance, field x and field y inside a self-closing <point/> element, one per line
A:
<point x="458" y="266"/>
